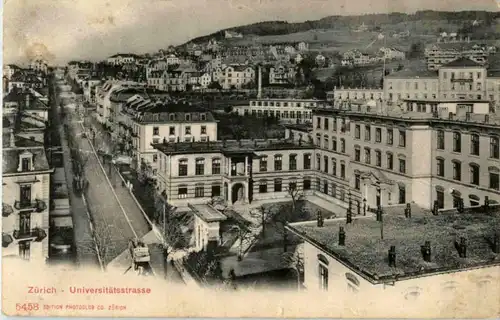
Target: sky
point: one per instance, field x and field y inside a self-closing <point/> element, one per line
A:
<point x="61" y="30"/>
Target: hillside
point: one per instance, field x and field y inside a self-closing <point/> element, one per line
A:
<point x="433" y="20"/>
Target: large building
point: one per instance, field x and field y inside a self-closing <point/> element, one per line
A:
<point x="440" y="54"/>
<point x="406" y="258"/>
<point x="460" y="79"/>
<point x="287" y="110"/>
<point x="239" y="171"/>
<point x="145" y="122"/>
<point x="26" y="194"/>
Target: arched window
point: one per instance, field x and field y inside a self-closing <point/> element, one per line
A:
<point x="334" y="143"/>
<point x="342" y="145"/>
<point x="474" y="173"/>
<point x="200" y="166"/>
<point x="278" y="162"/>
<point x="440" y="139"/>
<point x="440" y="196"/>
<point x="457" y="142"/>
<point x="494" y="147"/>
<point x="326" y="142"/>
<point x="494" y="177"/>
<point x="457" y="169"/>
<point x="474" y="144"/>
<point x="352" y="282"/>
<point x="323" y="272"/>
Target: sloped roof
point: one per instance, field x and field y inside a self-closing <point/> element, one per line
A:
<point x="462" y="62"/>
<point x="406" y="73"/>
<point x="11" y="159"/>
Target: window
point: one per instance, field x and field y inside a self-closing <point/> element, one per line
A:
<point x="474" y="144"/>
<point x="292" y="162"/>
<point x="357" y="181"/>
<point x="357" y="132"/>
<point x="318" y="123"/>
<point x="457" y="142"/>
<point x="457" y="170"/>
<point x="494" y="147"/>
<point x="402" y="165"/>
<point x="390" y="137"/>
<point x="307" y="161"/>
<point x="187" y="117"/>
<point x="187" y="130"/>
<point x="402" y="194"/>
<point x="440" y="139"/>
<point x="368" y="156"/>
<point x="24" y="249"/>
<point x="216" y="166"/>
<point x="200" y="167"/>
<point x="342" y="170"/>
<point x="263" y="164"/>
<point x="334" y="166"/>
<point x="263" y="186"/>
<point x="25" y="164"/>
<point x="156" y="131"/>
<point x="182" y="192"/>
<point x="342" y="145"/>
<point x="25" y="195"/>
<point x="474" y="174"/>
<point x="378" y="135"/>
<point x="378" y="158"/>
<point x="318" y="139"/>
<point x="440" y="167"/>
<point x="325" y="161"/>
<point x="203" y="129"/>
<point x="155" y="157"/>
<point x="203" y="117"/>
<point x="307" y="184"/>
<point x="390" y="161"/>
<point x="334" y="122"/>
<point x="325" y="187"/>
<point x="216" y="191"/>
<point x="402" y="138"/>
<point x="368" y="132"/>
<point x="325" y="124"/>
<point x="171" y="131"/>
<point x="440" y="197"/>
<point x="323" y="277"/>
<point x="317" y="186"/>
<point x="334" y="143"/>
<point x="325" y="143"/>
<point x="357" y="154"/>
<point x="494" y="178"/>
<point x="318" y="162"/>
<point x="183" y="167"/>
<point x="278" y="185"/>
<point x="278" y="162"/>
<point x="199" y="191"/>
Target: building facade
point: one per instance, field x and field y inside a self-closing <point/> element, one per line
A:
<point x="287" y="110"/>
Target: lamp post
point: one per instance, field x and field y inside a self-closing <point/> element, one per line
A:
<point x="364" y="206"/>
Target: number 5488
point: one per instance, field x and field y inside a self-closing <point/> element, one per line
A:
<point x="27" y="306"/>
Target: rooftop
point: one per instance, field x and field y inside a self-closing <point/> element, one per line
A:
<point x="11" y="159"/>
<point x="242" y="146"/>
<point x="413" y="74"/>
<point x="461" y="62"/>
<point x="366" y="253"/>
<point x="207" y="213"/>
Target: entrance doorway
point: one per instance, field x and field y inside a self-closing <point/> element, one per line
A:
<point x="237" y="193"/>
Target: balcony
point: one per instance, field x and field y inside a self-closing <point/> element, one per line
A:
<point x="36" y="234"/>
<point x="36" y="205"/>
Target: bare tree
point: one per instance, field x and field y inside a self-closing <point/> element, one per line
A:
<point x="244" y="235"/>
<point x="100" y="245"/>
<point x="295" y="260"/>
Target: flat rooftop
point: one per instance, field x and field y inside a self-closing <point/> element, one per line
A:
<point x="229" y="146"/>
<point x="207" y="213"/>
<point x="367" y="254"/>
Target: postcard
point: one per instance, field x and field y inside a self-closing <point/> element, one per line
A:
<point x="251" y="158"/>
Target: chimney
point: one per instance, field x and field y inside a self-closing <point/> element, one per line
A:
<point x="341" y="236"/>
<point x="496" y="243"/>
<point x="392" y="256"/>
<point x="426" y="251"/>
<point x="259" y="83"/>
<point x="408" y="210"/>
<point x="12" y="139"/>
<point x="462" y="248"/>
<point x="319" y="219"/>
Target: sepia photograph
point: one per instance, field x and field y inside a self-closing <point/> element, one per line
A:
<point x="251" y="158"/>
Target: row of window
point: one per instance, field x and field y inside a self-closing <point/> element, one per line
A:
<point x="199" y="166"/>
<point x="378" y="158"/>
<point x="199" y="191"/>
<point x="171" y="130"/>
<point x="474" y="173"/>
<point x="173" y="117"/>
<point x="333" y="164"/>
<point x="474" y="143"/>
<point x="282" y="104"/>
<point x="378" y="135"/>
<point x="278" y="114"/>
<point x="278" y="185"/>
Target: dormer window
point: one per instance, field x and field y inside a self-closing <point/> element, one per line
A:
<point x="171" y="117"/>
<point x="188" y="117"/>
<point x="203" y="117"/>
<point x="25" y="162"/>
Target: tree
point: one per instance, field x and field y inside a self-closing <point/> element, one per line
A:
<point x="286" y="213"/>
<point x="101" y="244"/>
<point x="416" y="50"/>
<point x="295" y="260"/>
